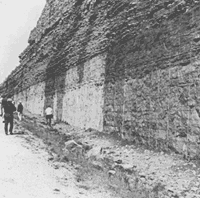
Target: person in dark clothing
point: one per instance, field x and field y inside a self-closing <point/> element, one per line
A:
<point x="8" y="109"/>
<point x="20" y="110"/>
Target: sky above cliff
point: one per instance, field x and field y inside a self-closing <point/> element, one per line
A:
<point x="17" y="19"/>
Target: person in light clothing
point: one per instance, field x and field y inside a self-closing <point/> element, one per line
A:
<point x="49" y="115"/>
<point x="3" y="103"/>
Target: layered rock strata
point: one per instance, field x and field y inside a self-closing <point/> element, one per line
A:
<point x="129" y="67"/>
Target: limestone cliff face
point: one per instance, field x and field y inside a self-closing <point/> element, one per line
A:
<point x="124" y="66"/>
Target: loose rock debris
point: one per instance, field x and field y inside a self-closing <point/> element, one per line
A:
<point x="123" y="171"/>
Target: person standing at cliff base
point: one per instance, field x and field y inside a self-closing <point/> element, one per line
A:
<point x="8" y="110"/>
<point x="20" y="110"/>
<point x="1" y="113"/>
<point x="49" y="115"/>
<point x="3" y="103"/>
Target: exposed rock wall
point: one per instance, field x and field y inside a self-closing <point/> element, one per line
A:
<point x="32" y="98"/>
<point x="152" y="77"/>
<point x="130" y="67"/>
<point x="83" y="102"/>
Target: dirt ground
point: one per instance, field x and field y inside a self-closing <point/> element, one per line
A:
<point x="65" y="161"/>
<point x="26" y="170"/>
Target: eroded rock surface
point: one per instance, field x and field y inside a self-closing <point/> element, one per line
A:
<point x="129" y="67"/>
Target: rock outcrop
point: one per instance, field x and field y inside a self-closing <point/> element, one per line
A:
<point x="129" y="67"/>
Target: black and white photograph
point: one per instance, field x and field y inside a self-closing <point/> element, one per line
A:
<point x="100" y="99"/>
